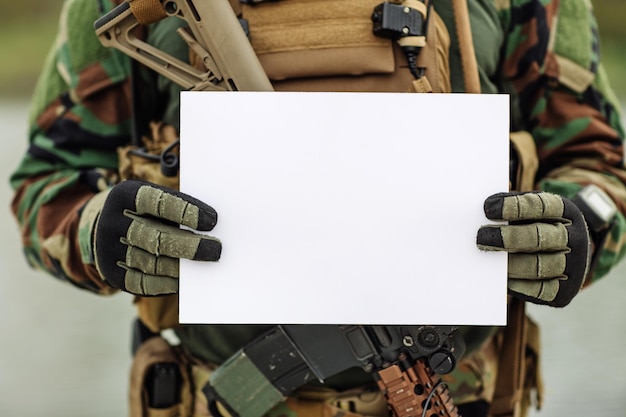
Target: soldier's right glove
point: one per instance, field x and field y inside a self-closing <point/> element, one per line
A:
<point x="137" y="242"/>
<point x="548" y="244"/>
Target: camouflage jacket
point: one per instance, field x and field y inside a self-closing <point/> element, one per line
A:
<point x="81" y="113"/>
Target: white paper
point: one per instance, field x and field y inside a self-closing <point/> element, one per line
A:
<point x="345" y="207"/>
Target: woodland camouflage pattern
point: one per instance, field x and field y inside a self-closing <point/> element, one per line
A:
<point x="81" y="115"/>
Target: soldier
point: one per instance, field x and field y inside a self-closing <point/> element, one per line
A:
<point x="85" y="226"/>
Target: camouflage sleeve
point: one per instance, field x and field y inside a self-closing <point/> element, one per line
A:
<point x="551" y="65"/>
<point x="80" y="114"/>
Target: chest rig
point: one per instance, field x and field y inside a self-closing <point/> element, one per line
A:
<point x="349" y="45"/>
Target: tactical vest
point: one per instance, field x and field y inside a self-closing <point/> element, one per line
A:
<point x="340" y="53"/>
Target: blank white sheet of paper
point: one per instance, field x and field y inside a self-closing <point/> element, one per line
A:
<point x="351" y="208"/>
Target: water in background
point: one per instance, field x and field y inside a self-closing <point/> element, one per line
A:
<point x="64" y="352"/>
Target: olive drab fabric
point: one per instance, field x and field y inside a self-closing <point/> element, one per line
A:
<point x="545" y="54"/>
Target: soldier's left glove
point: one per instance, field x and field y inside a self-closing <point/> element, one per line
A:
<point x="547" y="241"/>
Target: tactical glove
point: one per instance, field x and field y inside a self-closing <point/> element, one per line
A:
<point x="547" y="241"/>
<point x="138" y="241"/>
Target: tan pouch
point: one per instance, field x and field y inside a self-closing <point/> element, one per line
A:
<point x="329" y="45"/>
<point x="153" y="351"/>
<point x="317" y="38"/>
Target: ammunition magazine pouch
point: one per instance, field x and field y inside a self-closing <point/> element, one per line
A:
<point x="160" y="381"/>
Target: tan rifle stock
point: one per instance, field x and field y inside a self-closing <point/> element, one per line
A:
<point x="216" y="36"/>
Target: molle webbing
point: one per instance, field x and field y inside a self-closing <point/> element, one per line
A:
<point x="307" y="45"/>
<point x="329" y="24"/>
<point x="435" y="58"/>
<point x="305" y="38"/>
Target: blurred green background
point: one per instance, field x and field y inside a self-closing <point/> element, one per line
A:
<point x="28" y="27"/>
<point x="27" y="30"/>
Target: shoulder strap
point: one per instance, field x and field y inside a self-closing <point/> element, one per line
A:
<point x="466" y="46"/>
<point x="510" y="380"/>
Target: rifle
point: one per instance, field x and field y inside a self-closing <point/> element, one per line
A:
<point x="403" y="360"/>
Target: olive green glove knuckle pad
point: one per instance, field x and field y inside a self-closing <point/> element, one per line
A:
<point x="138" y="241"/>
<point x="547" y="241"/>
<point x="139" y="283"/>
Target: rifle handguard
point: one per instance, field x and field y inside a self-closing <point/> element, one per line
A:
<point x="414" y="392"/>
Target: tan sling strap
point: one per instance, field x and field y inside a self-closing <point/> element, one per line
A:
<point x="507" y="397"/>
<point x="518" y="365"/>
<point x="466" y="46"/>
<point x="519" y="370"/>
<point x="524" y="146"/>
